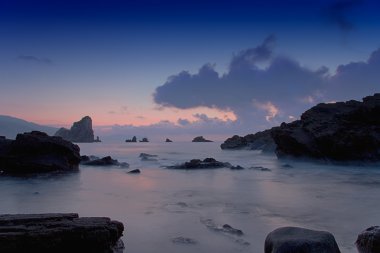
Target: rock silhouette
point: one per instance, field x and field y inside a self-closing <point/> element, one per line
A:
<point x="81" y="131"/>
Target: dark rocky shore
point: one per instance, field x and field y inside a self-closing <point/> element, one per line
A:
<point x="60" y="233"/>
<point x="343" y="131"/>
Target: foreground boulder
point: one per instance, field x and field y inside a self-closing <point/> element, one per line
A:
<point x="37" y="152"/>
<point x="200" y="139"/>
<point x="300" y="240"/>
<point x="343" y="131"/>
<point x="59" y="233"/>
<point x="208" y="163"/>
<point x="369" y="240"/>
<point x="80" y="131"/>
<point x="258" y="141"/>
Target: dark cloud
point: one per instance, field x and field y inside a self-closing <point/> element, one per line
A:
<point x="31" y="58"/>
<point x="338" y="15"/>
<point x="183" y="122"/>
<point x="262" y="97"/>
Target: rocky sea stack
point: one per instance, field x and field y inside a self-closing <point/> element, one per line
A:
<point x="37" y="152"/>
<point x="343" y="131"/>
<point x="200" y="139"/>
<point x="81" y="131"/>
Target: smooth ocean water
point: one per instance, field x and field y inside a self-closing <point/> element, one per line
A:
<point x="161" y="204"/>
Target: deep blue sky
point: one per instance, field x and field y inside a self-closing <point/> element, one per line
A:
<point x="60" y="60"/>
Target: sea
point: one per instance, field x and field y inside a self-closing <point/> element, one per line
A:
<point x="183" y="211"/>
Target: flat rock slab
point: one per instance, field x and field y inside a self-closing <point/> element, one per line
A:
<point x="300" y="240"/>
<point x="58" y="232"/>
<point x="369" y="240"/>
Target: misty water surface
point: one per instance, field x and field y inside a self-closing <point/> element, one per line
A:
<point x="160" y="205"/>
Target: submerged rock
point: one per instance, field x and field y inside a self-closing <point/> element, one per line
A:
<point x="368" y="241"/>
<point x="343" y="131"/>
<point x="81" y="131"/>
<point x="184" y="240"/>
<point x="294" y="239"/>
<point x="59" y="233"/>
<point x="105" y="161"/>
<point x="208" y="163"/>
<point x="200" y="139"/>
<point x="37" y="152"/>
<point x="147" y="157"/>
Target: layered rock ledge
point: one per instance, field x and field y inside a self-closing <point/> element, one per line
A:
<point x="58" y="232"/>
<point x="37" y="152"/>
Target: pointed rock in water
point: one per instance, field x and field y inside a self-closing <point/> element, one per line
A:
<point x="134" y="139"/>
<point x="168" y="140"/>
<point x="81" y="131"/>
<point x="200" y="139"/>
<point x="37" y="152"/>
<point x="136" y="171"/>
<point x="368" y="241"/>
<point x="59" y="233"/>
<point x="294" y="239"/>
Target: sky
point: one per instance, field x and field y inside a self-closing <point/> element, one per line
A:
<point x="184" y="67"/>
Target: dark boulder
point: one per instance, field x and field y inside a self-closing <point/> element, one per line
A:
<point x="168" y="140"/>
<point x="208" y="163"/>
<point x="59" y="233"/>
<point x="300" y="240"/>
<point x="200" y="139"/>
<point x="81" y="131"/>
<point x="343" y="131"/>
<point x="369" y="240"/>
<point x="105" y="161"/>
<point x="37" y="152"/>
<point x="258" y="141"/>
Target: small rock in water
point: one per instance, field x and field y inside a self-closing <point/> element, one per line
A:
<point x="260" y="168"/>
<point x="228" y="229"/>
<point x="369" y="240"/>
<point x="36" y="193"/>
<point x="136" y="171"/>
<point x="184" y="240"/>
<point x="147" y="157"/>
<point x="237" y="167"/>
<point x="287" y="165"/>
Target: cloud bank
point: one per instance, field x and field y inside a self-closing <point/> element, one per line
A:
<point x="262" y="97"/>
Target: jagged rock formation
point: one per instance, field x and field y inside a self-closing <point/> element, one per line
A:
<point x="134" y="139"/>
<point x="200" y="139"/>
<point x="208" y="163"/>
<point x="343" y="131"/>
<point x="294" y="239"/>
<point x="258" y="141"/>
<point x="81" y="131"/>
<point x="105" y="161"/>
<point x="37" y="152"/>
<point x="59" y="233"/>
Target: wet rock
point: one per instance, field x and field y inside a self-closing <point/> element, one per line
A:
<point x="147" y="157"/>
<point x="37" y="152"/>
<point x="368" y="241"/>
<point x="258" y="141"/>
<point x="105" y="161"/>
<point x="343" y="131"/>
<point x="80" y="131"/>
<point x="184" y="240"/>
<point x="59" y="233"/>
<point x="294" y="239"/>
<point x="208" y="163"/>
<point x="168" y="140"/>
<point x="228" y="229"/>
<point x="200" y="139"/>
<point x="135" y="171"/>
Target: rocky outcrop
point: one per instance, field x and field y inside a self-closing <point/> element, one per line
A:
<point x="105" y="161"/>
<point x="168" y="140"/>
<point x="208" y="163"/>
<point x="200" y="139"/>
<point x="60" y="233"/>
<point x="144" y="140"/>
<point x="369" y="240"/>
<point x="294" y="239"/>
<point x="37" y="152"/>
<point x="80" y="131"/>
<point x="134" y="139"/>
<point x="258" y="141"/>
<point x="135" y="171"/>
<point x="343" y="131"/>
